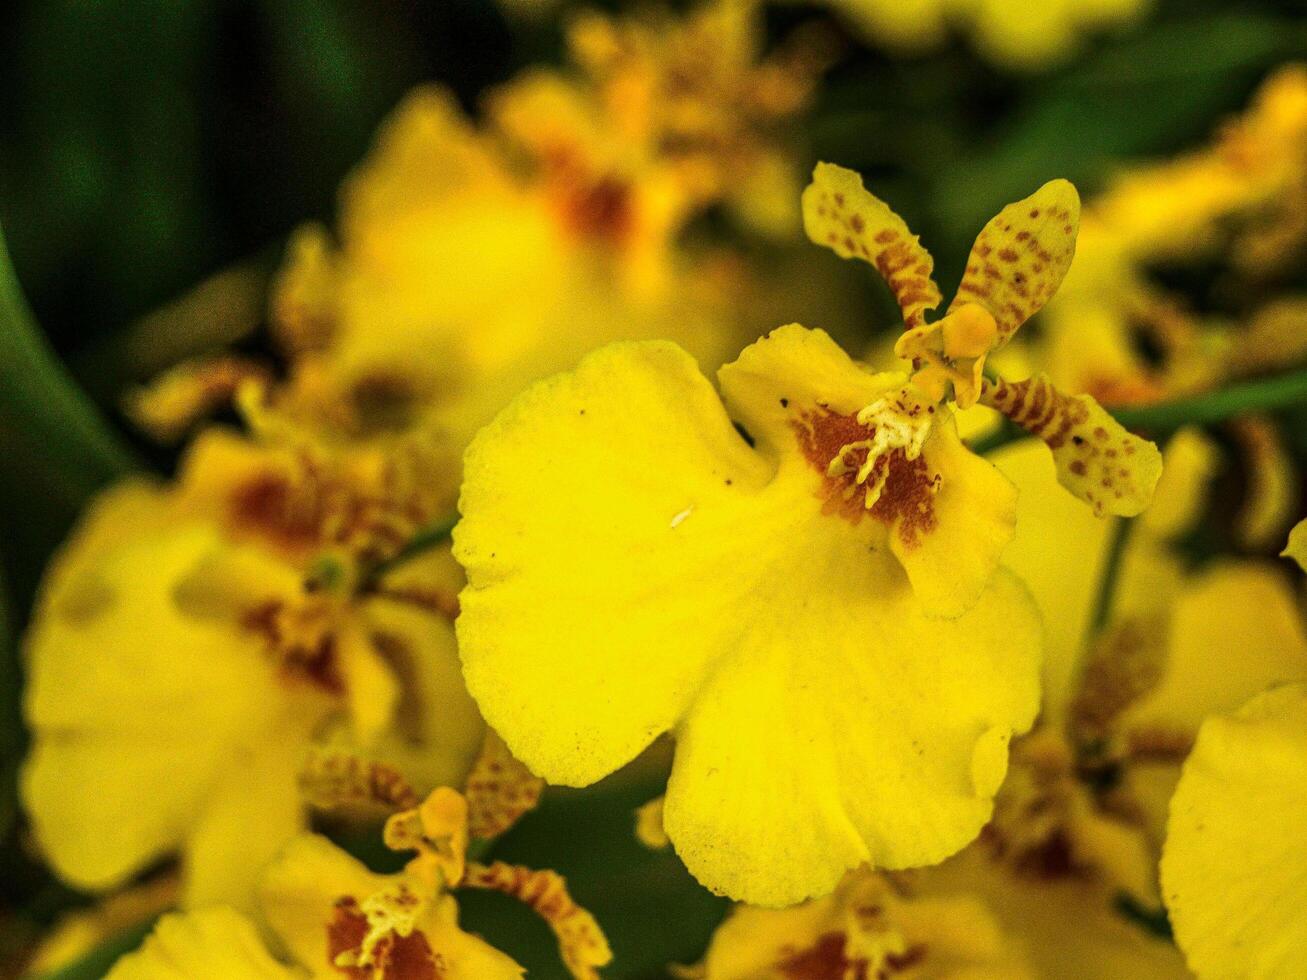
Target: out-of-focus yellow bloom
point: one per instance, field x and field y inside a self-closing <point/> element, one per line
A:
<point x="1271" y="499"/>
<point x="649" y="829"/>
<point x="188" y="392"/>
<point x="869" y="927"/>
<point x="1006" y="31"/>
<point x="333" y="917"/>
<point x="1052" y="868"/>
<point x="748" y="598"/>
<point x="1257" y="166"/>
<point x="1247" y="192"/>
<point x="1234" y="630"/>
<point x="1015" y="266"/>
<point x="683" y="108"/>
<point x="1232" y="870"/>
<point x="192" y="641"/>
<point x="476" y="259"/>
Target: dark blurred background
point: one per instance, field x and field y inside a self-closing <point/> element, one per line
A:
<point x="148" y="145"/>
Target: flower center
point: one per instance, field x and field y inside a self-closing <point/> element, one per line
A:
<point x="898" y="422"/>
<point x="872" y="462"/>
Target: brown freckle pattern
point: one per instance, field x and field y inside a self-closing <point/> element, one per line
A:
<point x="868" y="230"/>
<point x="337" y="778"/>
<point x="1088" y="446"/>
<point x="1035" y="246"/>
<point x="499" y="790"/>
<point x="580" y="940"/>
<point x="907" y="499"/>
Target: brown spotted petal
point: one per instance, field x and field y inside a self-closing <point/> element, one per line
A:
<point x="1020" y="258"/>
<point x="499" y="790"/>
<point x="840" y="213"/>
<point x="581" y="942"/>
<point x="1097" y="459"/>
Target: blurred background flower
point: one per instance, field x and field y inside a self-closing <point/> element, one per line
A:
<point x="319" y="243"/>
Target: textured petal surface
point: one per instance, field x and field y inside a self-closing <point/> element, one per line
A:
<point x="805" y="757"/>
<point x="599" y="511"/>
<point x="1020" y="258"/>
<point x="628" y="553"/>
<point x="137" y="709"/>
<point x="841" y="214"/>
<point x="1232" y="870"/>
<point x="975" y="517"/>
<point x="213" y="942"/>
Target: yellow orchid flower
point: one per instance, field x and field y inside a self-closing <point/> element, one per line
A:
<point x="475" y="258"/>
<point x="331" y="916"/>
<point x="1242" y="193"/>
<point x="1233" y="630"/>
<point x="1232" y="867"/>
<point x="1016" y="265"/>
<point x="869" y="927"/>
<point x="628" y="552"/>
<point x="460" y="278"/>
<point x="1007" y="32"/>
<point x="193" y="641"/>
<point x="1052" y="868"/>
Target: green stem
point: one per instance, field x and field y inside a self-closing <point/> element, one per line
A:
<point x="429" y="537"/>
<point x="1211" y="407"/>
<point x="1120" y="538"/>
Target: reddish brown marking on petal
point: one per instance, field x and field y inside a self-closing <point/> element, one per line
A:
<point x="886" y="236"/>
<point x="907" y="499"/>
<point x="1034" y="212"/>
<point x="1078" y="467"/>
<point x="317" y="662"/>
<point x="602" y="211"/>
<point x="400" y="957"/>
<point x="268" y="505"/>
<point x="857" y="224"/>
<point x="1008" y="255"/>
<point x="824" y="960"/>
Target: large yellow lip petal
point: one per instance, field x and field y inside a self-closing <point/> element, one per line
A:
<point x="1232" y="869"/>
<point x="975" y="517"/>
<point x="635" y="566"/>
<point x="597" y="510"/>
<point x="855" y="730"/>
